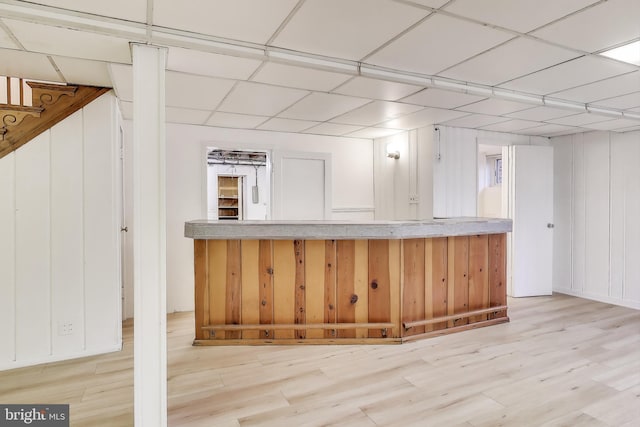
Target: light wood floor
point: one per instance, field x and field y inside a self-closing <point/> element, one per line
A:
<point x="562" y="361"/>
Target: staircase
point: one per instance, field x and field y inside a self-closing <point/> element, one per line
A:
<point x="50" y="103"/>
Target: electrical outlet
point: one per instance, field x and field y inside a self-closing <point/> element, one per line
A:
<point x="65" y="328"/>
<point x="413" y="199"/>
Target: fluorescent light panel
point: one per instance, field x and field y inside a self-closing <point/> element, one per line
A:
<point x="629" y="53"/>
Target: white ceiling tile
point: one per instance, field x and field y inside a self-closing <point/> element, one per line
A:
<point x="126" y="108"/>
<point x="376" y="89"/>
<point x="428" y="116"/>
<point x="27" y="65"/>
<point x="549" y="130"/>
<point x="541" y="113"/>
<point x="441" y="41"/>
<point x="604" y="25"/>
<point x="346" y="29"/>
<point x="511" y="126"/>
<point x="122" y="78"/>
<point x="322" y="107"/>
<point x="72" y="43"/>
<point x="231" y="120"/>
<point x="130" y="10"/>
<point x="612" y="124"/>
<point x="332" y="129"/>
<point x="211" y="64"/>
<point x="249" y="20"/>
<point x="608" y="88"/>
<point x="186" y="116"/>
<point x="436" y="4"/>
<point x="374" y="133"/>
<point x="629" y="129"/>
<point x="259" y="99"/>
<point x="518" y="15"/>
<point x="570" y="74"/>
<point x="439" y="98"/>
<point x="516" y="58"/>
<point x="299" y="77"/>
<point x="475" y="121"/>
<point x="376" y="112"/>
<point x="579" y="119"/>
<point x="624" y="102"/>
<point x="635" y="110"/>
<point x="198" y="92"/>
<point x="286" y="125"/>
<point x="85" y="72"/>
<point x="495" y="106"/>
<point x="5" y="41"/>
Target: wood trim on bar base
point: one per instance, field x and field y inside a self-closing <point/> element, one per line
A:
<point x="299" y="326"/>
<point x="306" y="341"/>
<point x="492" y="310"/>
<point x="454" y="329"/>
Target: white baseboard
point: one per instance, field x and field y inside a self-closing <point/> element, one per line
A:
<point x="5" y="366"/>
<point x="600" y="298"/>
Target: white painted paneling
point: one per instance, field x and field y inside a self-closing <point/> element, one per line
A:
<point x="596" y="163"/>
<point x="578" y="213"/>
<point x="67" y="269"/>
<point x="625" y="210"/>
<point x="603" y="246"/>
<point x="33" y="275"/>
<point x="7" y="258"/>
<point x="101" y="248"/>
<point x="455" y="172"/>
<point x="562" y="193"/>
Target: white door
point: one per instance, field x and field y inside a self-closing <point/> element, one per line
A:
<point x="528" y="171"/>
<point x="301" y="186"/>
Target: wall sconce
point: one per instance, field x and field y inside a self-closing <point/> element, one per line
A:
<point x="392" y="152"/>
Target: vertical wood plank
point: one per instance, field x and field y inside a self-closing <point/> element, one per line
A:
<point x="250" y="293"/>
<point x="361" y="285"/>
<point x="478" y="275"/>
<point x="497" y="273"/>
<point x="300" y="315"/>
<point x="395" y="284"/>
<point x="345" y="286"/>
<point x="314" y="281"/>
<point x="458" y="278"/>
<point x="233" y="288"/>
<point x="265" y="269"/>
<point x="413" y="285"/>
<point x="217" y="251"/>
<point x="201" y="288"/>
<point x="284" y="284"/>
<point x="440" y="280"/>
<point x="379" y="286"/>
<point x="330" y="286"/>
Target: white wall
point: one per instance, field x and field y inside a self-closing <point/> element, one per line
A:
<point x="404" y="186"/>
<point x="597" y="206"/>
<point x="59" y="228"/>
<point x="352" y="180"/>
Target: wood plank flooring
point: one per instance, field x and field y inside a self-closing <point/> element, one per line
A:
<point x="562" y="361"/>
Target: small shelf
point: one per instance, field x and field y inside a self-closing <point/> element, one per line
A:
<point x="229" y="197"/>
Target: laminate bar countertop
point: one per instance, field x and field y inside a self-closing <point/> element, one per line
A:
<point x="341" y="230"/>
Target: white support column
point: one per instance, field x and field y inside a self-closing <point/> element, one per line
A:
<point x="149" y="236"/>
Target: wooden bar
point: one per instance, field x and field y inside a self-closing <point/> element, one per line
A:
<point x="272" y="289"/>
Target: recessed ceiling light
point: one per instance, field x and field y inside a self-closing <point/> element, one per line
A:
<point x="628" y="53"/>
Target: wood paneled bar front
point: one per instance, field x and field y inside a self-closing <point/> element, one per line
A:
<point x="333" y="282"/>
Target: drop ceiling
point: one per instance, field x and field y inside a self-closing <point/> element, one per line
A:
<point x="222" y="67"/>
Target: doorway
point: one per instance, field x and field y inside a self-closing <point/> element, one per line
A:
<point x="238" y="185"/>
